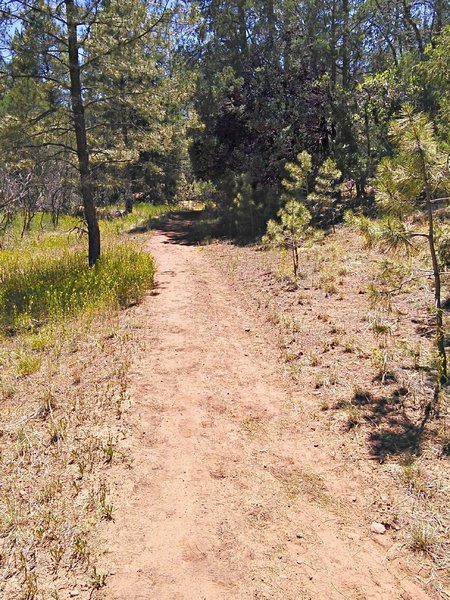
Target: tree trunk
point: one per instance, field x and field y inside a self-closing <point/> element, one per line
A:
<point x="124" y="118"/>
<point x="439" y="15"/>
<point x="333" y="45"/>
<point x="440" y="338"/>
<point x="241" y="48"/>
<point x="76" y="97"/>
<point x="128" y="197"/>
<point x="410" y="21"/>
<point x="368" y="169"/>
<point x="271" y="24"/>
<point x="295" y="259"/>
<point x="345" y="44"/>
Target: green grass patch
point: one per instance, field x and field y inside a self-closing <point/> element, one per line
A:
<point x="44" y="277"/>
<point x="141" y="219"/>
<point x="36" y="287"/>
<point x="28" y="364"/>
<point x="69" y="228"/>
<point x="42" y="341"/>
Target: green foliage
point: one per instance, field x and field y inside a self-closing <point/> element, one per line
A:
<point x="140" y="123"/>
<point x="291" y="231"/>
<point x="60" y="285"/>
<point x="323" y="202"/>
<point x="421" y="165"/>
<point x="434" y="71"/>
<point x="142" y="218"/>
<point x="244" y="208"/>
<point x="43" y="232"/>
<point x="442" y="236"/>
<point x="392" y="197"/>
<point x="257" y="116"/>
<point x="135" y="94"/>
<point x="27" y="364"/>
<point x="406" y="184"/>
<point x="297" y="182"/>
<point x="293" y="225"/>
<point x="44" y="278"/>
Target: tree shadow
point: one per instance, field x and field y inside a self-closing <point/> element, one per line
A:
<point x="190" y="228"/>
<point x="393" y="431"/>
<point x="150" y="224"/>
<point x="424" y="326"/>
<point x="185" y="227"/>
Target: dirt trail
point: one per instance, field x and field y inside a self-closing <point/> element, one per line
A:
<point x="226" y="497"/>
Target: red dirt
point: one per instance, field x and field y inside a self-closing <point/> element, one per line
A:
<point x="231" y="494"/>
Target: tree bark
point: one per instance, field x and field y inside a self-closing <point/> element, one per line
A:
<point x="333" y="43"/>
<point x="271" y="25"/>
<point x="124" y="116"/>
<point x="440" y="334"/>
<point x="439" y="15"/>
<point x="410" y="21"/>
<point x="440" y="338"/>
<point x="345" y="44"/>
<point x="242" y="34"/>
<point x="128" y="196"/>
<point x="76" y="97"/>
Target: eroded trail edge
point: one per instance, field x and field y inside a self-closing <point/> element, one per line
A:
<point x="226" y="496"/>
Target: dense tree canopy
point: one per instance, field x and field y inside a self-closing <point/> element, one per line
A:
<point x="95" y="85"/>
<point x="323" y="76"/>
<point x="113" y="94"/>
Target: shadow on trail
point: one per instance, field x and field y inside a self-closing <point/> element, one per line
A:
<point x="186" y="227"/>
<point x="191" y="228"/>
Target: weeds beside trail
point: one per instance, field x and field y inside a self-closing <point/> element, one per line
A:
<point x="45" y="278"/>
<point x="41" y="286"/>
<point x="365" y="377"/>
<point x="64" y="357"/>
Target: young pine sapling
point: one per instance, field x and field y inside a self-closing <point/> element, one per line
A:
<point x="324" y="200"/>
<point x="414" y="180"/>
<point x="296" y="184"/>
<point x="291" y="231"/>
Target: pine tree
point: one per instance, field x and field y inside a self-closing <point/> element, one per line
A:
<point x="323" y="202"/>
<point x="413" y="180"/>
<point x="291" y="231"/>
<point x="137" y="95"/>
<point x="98" y="85"/>
<point x="299" y="171"/>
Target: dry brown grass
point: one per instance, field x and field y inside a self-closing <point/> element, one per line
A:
<point x="366" y="377"/>
<point x="62" y="393"/>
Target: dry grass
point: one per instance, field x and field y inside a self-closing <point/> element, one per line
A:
<point x="365" y="377"/>
<point x="57" y="446"/>
<point x="58" y="442"/>
<point x="63" y="385"/>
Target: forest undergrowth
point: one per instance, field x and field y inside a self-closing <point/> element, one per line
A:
<point x="364" y="378"/>
<point x="64" y="357"/>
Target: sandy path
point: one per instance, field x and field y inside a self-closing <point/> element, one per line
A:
<point x="226" y="496"/>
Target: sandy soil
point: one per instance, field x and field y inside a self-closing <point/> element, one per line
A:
<point x="230" y="494"/>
